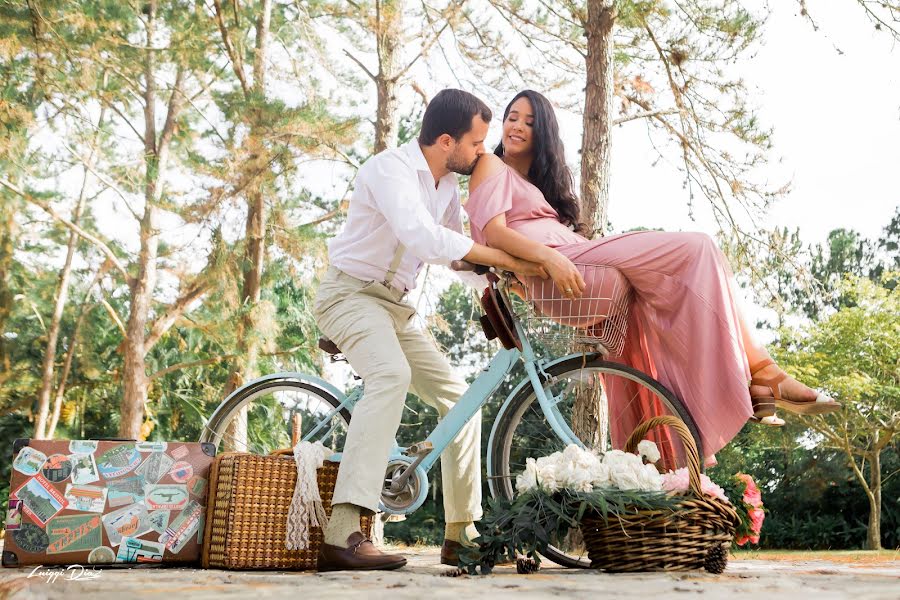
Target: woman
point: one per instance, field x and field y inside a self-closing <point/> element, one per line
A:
<point x="684" y="325"/>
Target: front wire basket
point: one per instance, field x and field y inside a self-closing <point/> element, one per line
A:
<point x="597" y="321"/>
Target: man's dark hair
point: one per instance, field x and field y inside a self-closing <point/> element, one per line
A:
<point x="451" y="112"/>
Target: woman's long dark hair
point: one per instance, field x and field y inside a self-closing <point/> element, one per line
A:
<point x="548" y="171"/>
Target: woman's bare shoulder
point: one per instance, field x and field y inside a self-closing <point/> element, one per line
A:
<point x="487" y="165"/>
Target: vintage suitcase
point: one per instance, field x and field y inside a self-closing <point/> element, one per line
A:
<point x="249" y="501"/>
<point x="106" y="502"/>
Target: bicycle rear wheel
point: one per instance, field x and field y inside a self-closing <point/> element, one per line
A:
<point x="522" y="431"/>
<point x="270" y="405"/>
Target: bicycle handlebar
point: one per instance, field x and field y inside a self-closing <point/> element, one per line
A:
<point x="464" y="265"/>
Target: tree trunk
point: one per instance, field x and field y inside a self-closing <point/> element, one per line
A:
<point x="245" y="366"/>
<point x="598" y="106"/>
<point x="40" y="425"/>
<point x="70" y="354"/>
<point x="873" y="536"/>
<point x="388" y="35"/>
<point x="588" y="412"/>
<point x="135" y="374"/>
<point x="135" y="382"/>
<point x="7" y="245"/>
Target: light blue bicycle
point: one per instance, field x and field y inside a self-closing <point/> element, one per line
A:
<point x="535" y="419"/>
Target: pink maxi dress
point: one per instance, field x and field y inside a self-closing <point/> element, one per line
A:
<point x="683" y="326"/>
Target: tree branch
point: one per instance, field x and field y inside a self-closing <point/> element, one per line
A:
<point x="217" y="359"/>
<point x="327" y="216"/>
<point x="162" y="324"/>
<point x="362" y="66"/>
<point x="114" y="316"/>
<point x="236" y="60"/>
<point x="644" y="115"/>
<point x="45" y="206"/>
<point x="103" y="179"/>
<point x="176" y="101"/>
<point x="446" y="16"/>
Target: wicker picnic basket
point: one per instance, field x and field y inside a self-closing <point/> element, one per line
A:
<point x="247" y="510"/>
<point x="696" y="535"/>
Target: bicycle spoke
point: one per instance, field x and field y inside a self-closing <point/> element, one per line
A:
<point x="269" y="416"/>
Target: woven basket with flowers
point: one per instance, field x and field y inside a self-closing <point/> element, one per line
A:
<point x="631" y="517"/>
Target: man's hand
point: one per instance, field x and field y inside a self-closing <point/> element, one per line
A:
<point x="527" y="268"/>
<point x="483" y="255"/>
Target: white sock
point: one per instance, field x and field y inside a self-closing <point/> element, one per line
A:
<point x="463" y="532"/>
<point x="344" y="520"/>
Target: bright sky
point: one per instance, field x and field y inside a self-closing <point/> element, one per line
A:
<point x="836" y="120"/>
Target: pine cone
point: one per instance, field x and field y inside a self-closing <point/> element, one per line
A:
<point x="526" y="566"/>
<point x="716" y="559"/>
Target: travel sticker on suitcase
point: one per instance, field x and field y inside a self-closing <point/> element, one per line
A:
<point x="40" y="500"/>
<point x="101" y="502"/>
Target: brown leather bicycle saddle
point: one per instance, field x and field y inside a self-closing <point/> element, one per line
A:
<point x="497" y="322"/>
<point x="328" y="346"/>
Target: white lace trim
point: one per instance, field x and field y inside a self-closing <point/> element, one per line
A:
<point x="306" y="506"/>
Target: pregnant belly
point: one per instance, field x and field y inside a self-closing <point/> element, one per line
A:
<point x="548" y="231"/>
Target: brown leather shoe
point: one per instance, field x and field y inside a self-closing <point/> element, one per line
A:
<point x="360" y="555"/>
<point x="450" y="554"/>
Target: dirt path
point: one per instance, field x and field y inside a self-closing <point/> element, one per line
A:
<point x="759" y="579"/>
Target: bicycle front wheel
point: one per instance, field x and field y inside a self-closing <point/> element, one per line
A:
<point x="523" y="431"/>
<point x="258" y="417"/>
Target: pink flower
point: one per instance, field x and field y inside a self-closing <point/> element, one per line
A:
<point x="752" y="495"/>
<point x="756" y="520"/>
<point x="678" y="481"/>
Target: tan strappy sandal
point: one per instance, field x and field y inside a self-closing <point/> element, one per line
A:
<point x="821" y="405"/>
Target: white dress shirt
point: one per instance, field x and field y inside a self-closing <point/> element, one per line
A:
<point x="394" y="201"/>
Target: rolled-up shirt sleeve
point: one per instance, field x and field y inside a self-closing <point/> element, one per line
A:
<point x="394" y="189"/>
<point x="453" y="221"/>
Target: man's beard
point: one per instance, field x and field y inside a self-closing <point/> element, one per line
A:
<point x="455" y="165"/>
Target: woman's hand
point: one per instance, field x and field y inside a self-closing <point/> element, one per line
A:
<point x="564" y="274"/>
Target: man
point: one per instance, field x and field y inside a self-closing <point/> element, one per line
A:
<point x="404" y="212"/>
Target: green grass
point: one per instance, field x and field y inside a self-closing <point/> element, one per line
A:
<point x="845" y="556"/>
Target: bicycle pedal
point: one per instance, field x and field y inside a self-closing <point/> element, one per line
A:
<point x="419" y="448"/>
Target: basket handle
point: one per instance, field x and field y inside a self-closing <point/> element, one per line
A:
<point x="693" y="459"/>
<point x="296" y="423"/>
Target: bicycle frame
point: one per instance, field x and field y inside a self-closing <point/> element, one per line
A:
<point x="476" y="396"/>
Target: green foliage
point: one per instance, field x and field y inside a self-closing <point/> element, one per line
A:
<point x="812" y="499"/>
<point x="532" y="521"/>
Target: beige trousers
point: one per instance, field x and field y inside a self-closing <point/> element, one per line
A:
<point x="373" y="327"/>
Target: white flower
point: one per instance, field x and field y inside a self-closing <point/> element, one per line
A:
<point x="527" y="479"/>
<point x="625" y="478"/>
<point x="547" y="476"/>
<point x="600" y="475"/>
<point x="618" y="460"/>
<point x="650" y="479"/>
<point x="648" y="450"/>
<point x="578" y="469"/>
